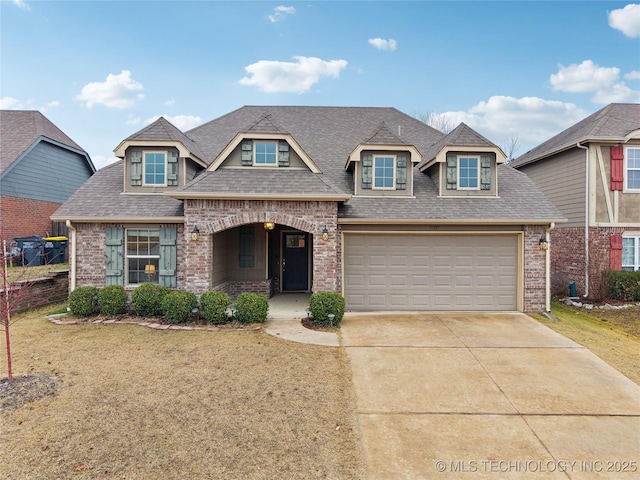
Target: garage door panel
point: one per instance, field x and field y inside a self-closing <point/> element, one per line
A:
<point x="430" y="272"/>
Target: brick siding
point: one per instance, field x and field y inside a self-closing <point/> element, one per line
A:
<point x="534" y="270"/>
<point x="24" y="217"/>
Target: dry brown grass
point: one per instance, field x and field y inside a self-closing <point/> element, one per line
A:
<point x="135" y="403"/>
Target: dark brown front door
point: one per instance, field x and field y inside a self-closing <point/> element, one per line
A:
<point x="295" y="262"/>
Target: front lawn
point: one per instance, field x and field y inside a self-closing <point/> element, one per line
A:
<point x="613" y="335"/>
<point x="136" y="403"/>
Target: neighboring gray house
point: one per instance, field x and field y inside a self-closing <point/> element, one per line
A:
<point x="40" y="167"/>
<point x="369" y="202"/>
<point x="591" y="172"/>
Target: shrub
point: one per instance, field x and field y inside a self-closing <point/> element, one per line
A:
<point x="622" y="285"/>
<point x="147" y="298"/>
<point x="213" y="306"/>
<point x="177" y="306"/>
<point x="251" y="308"/>
<point x="321" y="304"/>
<point x="112" y="300"/>
<point x="83" y="301"/>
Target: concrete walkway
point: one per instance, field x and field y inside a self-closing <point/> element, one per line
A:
<point x="487" y="396"/>
<point x="286" y="311"/>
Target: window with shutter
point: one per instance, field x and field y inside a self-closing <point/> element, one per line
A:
<point x="155" y="167"/>
<point x="136" y="168"/>
<point x="367" y="162"/>
<point x="485" y="173"/>
<point x="114" y="256"/>
<point x="452" y="172"/>
<point x="632" y="170"/>
<point x="630" y="254"/>
<point x="172" y="168"/>
<point x="142" y="255"/>
<point x="401" y="172"/>
<point x="247" y="153"/>
<point x="283" y="153"/>
<point x="265" y="153"/>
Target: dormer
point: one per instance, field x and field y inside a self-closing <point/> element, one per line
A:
<point x="264" y="145"/>
<point x="159" y="158"/>
<point x="463" y="164"/>
<point x="383" y="164"/>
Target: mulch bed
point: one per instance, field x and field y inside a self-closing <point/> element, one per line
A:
<point x="26" y="389"/>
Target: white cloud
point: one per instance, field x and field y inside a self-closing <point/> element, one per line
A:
<point x="616" y="93"/>
<point x="10" y="103"/>
<point x="626" y="19"/>
<point x="50" y="105"/>
<point x="382" y="44"/>
<point x="170" y="103"/>
<point x="280" y="13"/>
<point x="183" y="122"/>
<point x="118" y="91"/>
<point x="586" y="77"/>
<point x="293" y="77"/>
<point x="21" y="4"/>
<point x="132" y="119"/>
<point x="532" y="119"/>
<point x="633" y="75"/>
<point x="100" y="161"/>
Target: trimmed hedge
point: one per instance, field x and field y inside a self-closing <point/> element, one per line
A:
<point x="147" y="299"/>
<point x="213" y="306"/>
<point x="83" y="301"/>
<point x="622" y="285"/>
<point x="177" y="306"/>
<point x="112" y="300"/>
<point x="251" y="308"/>
<point x="321" y="304"/>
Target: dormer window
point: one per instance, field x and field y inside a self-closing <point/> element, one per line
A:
<point x="155" y="167"/>
<point x="468" y="173"/>
<point x="384" y="169"/>
<point x="265" y="153"/>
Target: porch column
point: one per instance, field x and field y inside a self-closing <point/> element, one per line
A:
<point x="325" y="260"/>
<point x="197" y="262"/>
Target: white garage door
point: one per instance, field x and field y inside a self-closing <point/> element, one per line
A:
<point x="430" y="272"/>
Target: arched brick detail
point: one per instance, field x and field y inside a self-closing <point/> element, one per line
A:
<point x="233" y="221"/>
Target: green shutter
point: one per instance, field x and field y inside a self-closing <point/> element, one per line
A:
<point x="172" y="168"/>
<point x="115" y="256"/>
<point x="401" y="173"/>
<point x="247" y="153"/>
<point x="283" y="153"/>
<point x="485" y="173"/>
<point x="367" y="161"/>
<point x="452" y="172"/>
<point x="168" y="254"/>
<point x="136" y="168"/>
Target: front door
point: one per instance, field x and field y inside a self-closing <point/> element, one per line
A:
<point x="295" y="262"/>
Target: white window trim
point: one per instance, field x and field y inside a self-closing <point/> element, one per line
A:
<point x="636" y="251"/>
<point x="626" y="170"/>
<point x="255" y="155"/>
<point x="127" y="256"/>
<point x="373" y="172"/>
<point x="144" y="163"/>
<point x="458" y="187"/>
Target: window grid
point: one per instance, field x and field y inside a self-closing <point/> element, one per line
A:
<point x="633" y="168"/>
<point x="154" y="168"/>
<point x="631" y="253"/>
<point x="265" y="153"/>
<point x="468" y="173"/>
<point x="143" y="256"/>
<point x="384" y="172"/>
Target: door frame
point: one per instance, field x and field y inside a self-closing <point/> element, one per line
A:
<point x="309" y="247"/>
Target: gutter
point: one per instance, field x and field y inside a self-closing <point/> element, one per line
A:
<point x="72" y="258"/>
<point x="547" y="293"/>
<point x="586" y="220"/>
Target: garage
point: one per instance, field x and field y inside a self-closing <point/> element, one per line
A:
<point x="438" y="272"/>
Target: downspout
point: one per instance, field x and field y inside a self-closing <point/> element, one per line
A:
<point x="547" y="293"/>
<point x="586" y="220"/>
<point x="72" y="257"/>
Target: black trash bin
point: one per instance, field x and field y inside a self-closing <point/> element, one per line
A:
<point x="54" y="248"/>
<point x="31" y="250"/>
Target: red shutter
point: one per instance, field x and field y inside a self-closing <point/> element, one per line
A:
<point x="615" y="256"/>
<point x="617" y="167"/>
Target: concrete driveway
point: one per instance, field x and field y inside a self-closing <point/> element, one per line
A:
<point x="487" y="396"/>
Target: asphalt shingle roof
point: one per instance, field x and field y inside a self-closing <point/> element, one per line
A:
<point x="612" y="122"/>
<point x="19" y="129"/>
<point x="461" y="136"/>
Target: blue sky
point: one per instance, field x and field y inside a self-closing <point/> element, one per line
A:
<point x="527" y="69"/>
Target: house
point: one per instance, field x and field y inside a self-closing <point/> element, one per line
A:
<point x="40" y="167"/>
<point x="591" y="172"/>
<point x="369" y="202"/>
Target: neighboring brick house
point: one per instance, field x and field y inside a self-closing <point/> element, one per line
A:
<point x="369" y="202"/>
<point x="40" y="167"/>
<point x="591" y="172"/>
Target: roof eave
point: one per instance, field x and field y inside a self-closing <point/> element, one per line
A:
<point x="267" y="196"/>
<point x="88" y="219"/>
<point x="450" y="221"/>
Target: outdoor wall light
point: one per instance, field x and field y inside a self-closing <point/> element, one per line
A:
<point x="195" y="233"/>
<point x="543" y="244"/>
<point x="325" y="234"/>
<point x="269" y="225"/>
